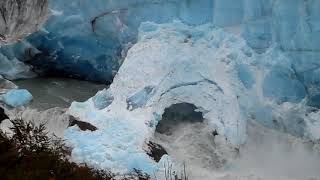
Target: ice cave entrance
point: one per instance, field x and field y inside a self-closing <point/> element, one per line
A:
<point x="178" y="115"/>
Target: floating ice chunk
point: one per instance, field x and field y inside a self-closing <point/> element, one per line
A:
<point x="102" y="99"/>
<point x="17" y="97"/>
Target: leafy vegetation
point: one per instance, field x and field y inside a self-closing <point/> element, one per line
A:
<point x="30" y="154"/>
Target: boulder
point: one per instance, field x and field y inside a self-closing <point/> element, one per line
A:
<point x="3" y="116"/>
<point x="81" y="124"/>
<point x="155" y="151"/>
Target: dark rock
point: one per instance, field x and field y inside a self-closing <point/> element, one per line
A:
<point x="215" y="133"/>
<point x="155" y="151"/>
<point x="3" y="116"/>
<point x="81" y="124"/>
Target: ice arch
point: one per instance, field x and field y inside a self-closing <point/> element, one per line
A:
<point x="176" y="115"/>
<point x="212" y="69"/>
<point x="182" y="72"/>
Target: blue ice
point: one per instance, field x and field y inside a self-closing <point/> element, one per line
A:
<point x="17" y="97"/>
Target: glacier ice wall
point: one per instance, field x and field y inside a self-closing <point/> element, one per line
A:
<point x="88" y="39"/>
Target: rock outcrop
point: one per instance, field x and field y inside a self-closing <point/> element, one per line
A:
<point x="19" y="18"/>
<point x="81" y="124"/>
<point x="3" y="115"/>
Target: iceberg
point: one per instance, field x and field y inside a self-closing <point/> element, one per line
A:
<point x="16" y="97"/>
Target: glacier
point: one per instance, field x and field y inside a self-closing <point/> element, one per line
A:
<point x="107" y="29"/>
<point x="235" y="61"/>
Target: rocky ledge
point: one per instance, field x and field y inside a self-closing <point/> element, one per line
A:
<point x="20" y="18"/>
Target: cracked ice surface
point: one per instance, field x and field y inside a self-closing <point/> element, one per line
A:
<point x="210" y="68"/>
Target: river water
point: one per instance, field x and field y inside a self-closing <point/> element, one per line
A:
<point x="58" y="92"/>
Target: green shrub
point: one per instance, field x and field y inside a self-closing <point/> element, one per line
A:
<point x="30" y="154"/>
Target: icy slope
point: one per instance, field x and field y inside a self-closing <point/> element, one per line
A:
<point x="208" y="67"/>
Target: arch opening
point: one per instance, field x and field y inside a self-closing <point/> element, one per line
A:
<point x="177" y="115"/>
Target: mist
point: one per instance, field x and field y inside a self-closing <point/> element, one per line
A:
<point x="270" y="154"/>
<point x="267" y="155"/>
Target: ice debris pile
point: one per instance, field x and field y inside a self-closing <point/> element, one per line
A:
<point x="215" y="70"/>
<point x="11" y="95"/>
